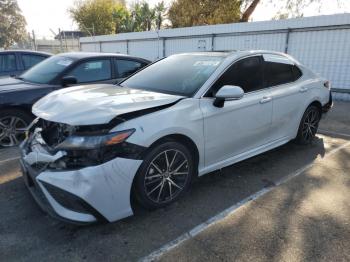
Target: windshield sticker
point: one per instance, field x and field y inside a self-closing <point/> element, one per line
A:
<point x="64" y="62"/>
<point x="207" y="63"/>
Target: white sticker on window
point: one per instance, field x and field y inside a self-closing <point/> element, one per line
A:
<point x="93" y="65"/>
<point x="64" y="62"/>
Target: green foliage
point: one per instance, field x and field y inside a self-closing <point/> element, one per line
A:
<point x="98" y="17"/>
<point x="184" y="13"/>
<point x="12" y="23"/>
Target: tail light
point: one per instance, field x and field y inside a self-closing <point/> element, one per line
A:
<point x="327" y="85"/>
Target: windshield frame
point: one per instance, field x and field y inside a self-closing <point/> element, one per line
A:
<point x="194" y="93"/>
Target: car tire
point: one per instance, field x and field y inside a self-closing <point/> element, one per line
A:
<point x="11" y="123"/>
<point x="164" y="176"/>
<point x="308" y="125"/>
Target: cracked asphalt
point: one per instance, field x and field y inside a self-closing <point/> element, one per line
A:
<point x="307" y="218"/>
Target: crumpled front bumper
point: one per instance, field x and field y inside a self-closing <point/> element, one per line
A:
<point x="81" y="196"/>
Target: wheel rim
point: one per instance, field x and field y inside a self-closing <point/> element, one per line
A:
<point x="11" y="130"/>
<point x="166" y="176"/>
<point x="310" y="125"/>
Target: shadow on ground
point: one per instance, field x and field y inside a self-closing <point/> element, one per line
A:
<point x="29" y="234"/>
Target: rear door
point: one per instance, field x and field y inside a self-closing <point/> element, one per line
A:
<point x="240" y="125"/>
<point x="281" y="77"/>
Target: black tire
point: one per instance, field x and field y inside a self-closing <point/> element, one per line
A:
<point x="7" y="129"/>
<point x="308" y="125"/>
<point x="148" y="177"/>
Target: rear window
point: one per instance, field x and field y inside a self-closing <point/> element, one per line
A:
<point x="31" y="60"/>
<point x="7" y="63"/>
<point x="126" y="67"/>
<point x="279" y="70"/>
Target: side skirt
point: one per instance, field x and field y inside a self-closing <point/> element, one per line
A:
<point x="245" y="155"/>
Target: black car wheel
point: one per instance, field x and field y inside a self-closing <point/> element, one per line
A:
<point x="309" y="125"/>
<point x="164" y="175"/>
<point x="12" y="125"/>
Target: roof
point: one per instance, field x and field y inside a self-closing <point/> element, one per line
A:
<point x="26" y="51"/>
<point x="208" y="53"/>
<point x="209" y="30"/>
<point x="81" y="55"/>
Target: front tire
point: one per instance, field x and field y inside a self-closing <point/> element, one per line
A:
<point x="12" y="123"/>
<point x="164" y="176"/>
<point x="308" y="125"/>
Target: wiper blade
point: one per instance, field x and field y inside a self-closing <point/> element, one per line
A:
<point x="18" y="77"/>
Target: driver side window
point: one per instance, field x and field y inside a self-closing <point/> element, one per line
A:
<point x="246" y="73"/>
<point x="92" y="71"/>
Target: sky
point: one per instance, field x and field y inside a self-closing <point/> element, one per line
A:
<point x="43" y="15"/>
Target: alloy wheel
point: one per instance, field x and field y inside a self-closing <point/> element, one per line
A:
<point x="166" y="176"/>
<point x="310" y="124"/>
<point x="11" y="131"/>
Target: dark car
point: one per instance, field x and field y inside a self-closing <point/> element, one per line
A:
<point x="15" y="62"/>
<point x="18" y="94"/>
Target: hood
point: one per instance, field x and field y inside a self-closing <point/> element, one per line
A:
<point x="10" y="84"/>
<point x="96" y="104"/>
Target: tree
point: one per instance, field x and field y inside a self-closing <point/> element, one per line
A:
<point x="160" y="11"/>
<point x="144" y="16"/>
<point x="123" y="20"/>
<point x="184" y="13"/>
<point x="12" y="23"/>
<point x="248" y="7"/>
<point x="99" y="17"/>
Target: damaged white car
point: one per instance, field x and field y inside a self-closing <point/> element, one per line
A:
<point x="94" y="147"/>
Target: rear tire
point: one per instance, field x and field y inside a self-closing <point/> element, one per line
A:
<point x="12" y="121"/>
<point x="308" y="125"/>
<point x="164" y="176"/>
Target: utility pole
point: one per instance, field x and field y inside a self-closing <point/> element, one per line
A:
<point x="65" y="41"/>
<point x="60" y="38"/>
<point x="34" y="40"/>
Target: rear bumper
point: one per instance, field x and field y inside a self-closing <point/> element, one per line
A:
<point x="83" y="196"/>
<point x="329" y="105"/>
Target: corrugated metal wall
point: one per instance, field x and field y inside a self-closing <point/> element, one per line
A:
<point x="322" y="43"/>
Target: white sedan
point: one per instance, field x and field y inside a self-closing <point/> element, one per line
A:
<point x="94" y="147"/>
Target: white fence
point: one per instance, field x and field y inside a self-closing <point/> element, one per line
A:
<point x="321" y="43"/>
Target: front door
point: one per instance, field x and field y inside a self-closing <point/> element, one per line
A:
<point x="240" y="125"/>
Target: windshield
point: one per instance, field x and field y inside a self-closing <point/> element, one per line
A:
<point x="179" y="74"/>
<point x="47" y="70"/>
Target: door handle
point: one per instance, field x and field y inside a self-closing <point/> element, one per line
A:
<point x="265" y="99"/>
<point x="303" y="89"/>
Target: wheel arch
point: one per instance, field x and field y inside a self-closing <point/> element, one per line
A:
<point x="176" y="137"/>
<point x="184" y="140"/>
<point x="316" y="103"/>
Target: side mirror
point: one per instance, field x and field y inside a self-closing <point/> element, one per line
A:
<point x="228" y="93"/>
<point x="68" y="80"/>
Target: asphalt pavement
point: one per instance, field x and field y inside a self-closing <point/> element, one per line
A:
<point x="304" y="218"/>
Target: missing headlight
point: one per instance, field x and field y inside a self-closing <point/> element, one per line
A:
<point x="91" y="157"/>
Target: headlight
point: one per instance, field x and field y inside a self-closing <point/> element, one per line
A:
<point x="91" y="142"/>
